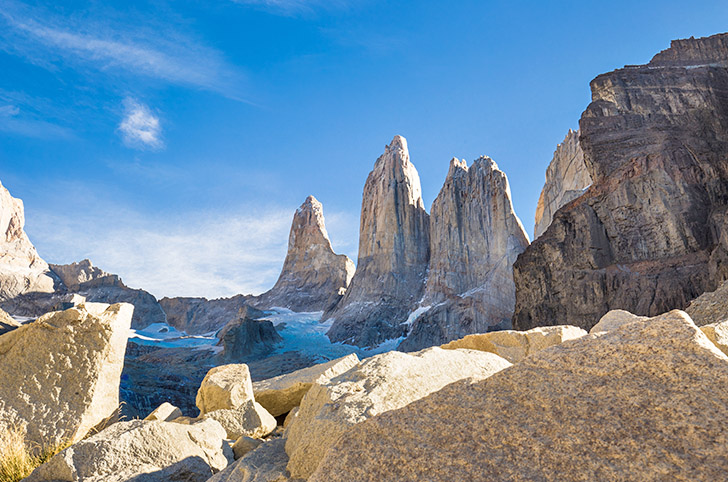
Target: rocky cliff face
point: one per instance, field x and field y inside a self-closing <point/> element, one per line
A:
<point x="393" y="254"/>
<point x="92" y="284"/>
<point x="21" y="269"/>
<point x="313" y="276"/>
<point x="566" y="179"/>
<point x="475" y="237"/>
<point x="651" y="233"/>
<point x="197" y="316"/>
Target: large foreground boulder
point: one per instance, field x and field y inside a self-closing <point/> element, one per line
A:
<point x="631" y="404"/>
<point x="59" y="376"/>
<point x="514" y="346"/>
<point x="281" y="394"/>
<point x="140" y="450"/>
<point x="379" y="384"/>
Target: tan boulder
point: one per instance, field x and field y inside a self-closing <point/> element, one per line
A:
<point x="718" y="334"/>
<point x="281" y="394"/>
<point x="7" y="323"/>
<point x="627" y="404"/>
<point x="225" y="387"/>
<point x="267" y="463"/>
<point x="514" y="346"/>
<point x="243" y="445"/>
<point x="248" y="420"/>
<point x="166" y="412"/>
<point x="615" y="319"/>
<point x="151" y="451"/>
<point x="710" y="307"/>
<point x="60" y="374"/>
<point x="378" y="384"/>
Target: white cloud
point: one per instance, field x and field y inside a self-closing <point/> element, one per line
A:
<point x="202" y="254"/>
<point x="134" y="47"/>
<point x="140" y="128"/>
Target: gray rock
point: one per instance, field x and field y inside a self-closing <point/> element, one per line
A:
<point x="21" y="269"/>
<point x="198" y="316"/>
<point x="244" y="337"/>
<point x="567" y="177"/>
<point x="393" y="254"/>
<point x="475" y="237"/>
<point x="312" y="273"/>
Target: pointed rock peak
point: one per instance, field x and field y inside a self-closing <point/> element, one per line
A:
<point x="398" y="143"/>
<point x="309" y="225"/>
<point x="456" y="166"/>
<point x="485" y="162"/>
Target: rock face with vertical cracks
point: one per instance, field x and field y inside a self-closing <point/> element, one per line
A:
<point x="313" y="276"/>
<point x="393" y="254"/>
<point x="651" y="233"/>
<point x="566" y="179"/>
<point x="475" y="237"/>
<point x="21" y="269"/>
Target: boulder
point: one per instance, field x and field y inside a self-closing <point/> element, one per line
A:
<point x="248" y="420"/>
<point x="567" y="177"/>
<point x="628" y="404"/>
<point x="718" y="334"/>
<point x="614" y="319"/>
<point x="475" y="237"/>
<point x="281" y="394"/>
<point x="60" y="374"/>
<point x="243" y="445"/>
<point x="267" y="463"/>
<point x="244" y="337"/>
<point x="225" y="387"/>
<point x="151" y="451"/>
<point x="710" y="307"/>
<point x="21" y="269"/>
<point x="514" y="346"/>
<point x="312" y="273"/>
<point x="378" y="384"/>
<point x="651" y="233"/>
<point x="166" y="412"/>
<point x="394" y="250"/>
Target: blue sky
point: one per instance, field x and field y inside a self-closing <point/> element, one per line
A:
<point x="170" y="142"/>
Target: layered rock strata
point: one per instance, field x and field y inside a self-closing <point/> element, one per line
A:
<point x="313" y="276"/>
<point x="651" y="233"/>
<point x="475" y="237"/>
<point x="566" y="179"/>
<point x="643" y="402"/>
<point x="21" y="269"/>
<point x="61" y="373"/>
<point x="393" y="254"/>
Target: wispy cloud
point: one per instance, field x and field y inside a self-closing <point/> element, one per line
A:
<point x="140" y="128"/>
<point x="290" y="7"/>
<point x="150" y="51"/>
<point x="203" y="254"/>
<point x="15" y="121"/>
